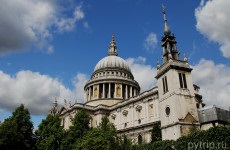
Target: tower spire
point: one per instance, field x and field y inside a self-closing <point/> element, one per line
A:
<point x="166" y="27"/>
<point x="168" y="42"/>
<point x="112" y="47"/>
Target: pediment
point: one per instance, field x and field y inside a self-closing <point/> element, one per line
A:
<point x="189" y="118"/>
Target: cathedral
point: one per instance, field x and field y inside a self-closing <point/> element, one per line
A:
<point x="112" y="90"/>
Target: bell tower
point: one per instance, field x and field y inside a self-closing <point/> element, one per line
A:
<point x="177" y="102"/>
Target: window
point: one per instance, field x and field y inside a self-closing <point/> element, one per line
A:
<point x="182" y="79"/>
<point x="167" y="110"/>
<point x="139" y="139"/>
<point x="165" y="84"/>
<point x="139" y="121"/>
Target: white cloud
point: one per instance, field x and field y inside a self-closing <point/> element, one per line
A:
<point x="213" y="21"/>
<point x="79" y="82"/>
<point x="34" y="90"/>
<point x="150" y="41"/>
<point x="26" y="23"/>
<point x="212" y="78"/>
<point x="143" y="74"/>
<point x="214" y="82"/>
<point x="68" y="24"/>
<point x="86" y="25"/>
<point x="37" y="91"/>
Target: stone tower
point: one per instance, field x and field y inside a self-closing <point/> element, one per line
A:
<point x="177" y="102"/>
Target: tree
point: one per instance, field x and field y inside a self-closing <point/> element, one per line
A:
<point x="16" y="132"/>
<point x="124" y="143"/>
<point x="156" y="132"/>
<point x="80" y="125"/>
<point x="49" y="133"/>
<point x="102" y="137"/>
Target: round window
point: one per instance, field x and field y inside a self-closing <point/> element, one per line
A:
<point x="167" y="110"/>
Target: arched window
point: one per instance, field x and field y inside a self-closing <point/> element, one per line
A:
<point x="139" y="139"/>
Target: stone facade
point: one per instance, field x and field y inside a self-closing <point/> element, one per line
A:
<point x="112" y="91"/>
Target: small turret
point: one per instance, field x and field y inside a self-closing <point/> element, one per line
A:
<point x="54" y="109"/>
<point x="112" y="47"/>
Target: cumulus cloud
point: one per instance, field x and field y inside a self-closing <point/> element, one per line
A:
<point x="212" y="78"/>
<point x="150" y="41"/>
<point x="79" y="82"/>
<point x="213" y="21"/>
<point x="144" y="74"/>
<point x="214" y="82"/>
<point x="36" y="91"/>
<point x="26" y="23"/>
<point x="68" y="24"/>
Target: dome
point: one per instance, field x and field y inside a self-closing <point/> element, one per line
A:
<point x="112" y="80"/>
<point x="112" y="62"/>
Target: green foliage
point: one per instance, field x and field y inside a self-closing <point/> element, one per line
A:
<point x="16" y="132"/>
<point x="156" y="132"/>
<point x="49" y="133"/>
<point x="102" y="137"/>
<point x="217" y="136"/>
<point x="159" y="145"/>
<point x="93" y="140"/>
<point x="80" y="125"/>
<point x="214" y="138"/>
<point x="124" y="143"/>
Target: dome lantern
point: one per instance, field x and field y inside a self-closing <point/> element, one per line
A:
<point x="112" y="47"/>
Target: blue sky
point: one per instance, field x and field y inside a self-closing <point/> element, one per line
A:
<point x="49" y="48"/>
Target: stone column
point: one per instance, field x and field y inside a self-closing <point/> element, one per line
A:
<point x="135" y="92"/>
<point x="115" y="91"/>
<point x="119" y="115"/>
<point x="133" y="111"/>
<point x="121" y="91"/>
<point x="131" y="91"/>
<point x="109" y="90"/>
<point x="146" y="105"/>
<point x="103" y="92"/>
<point x="93" y="92"/>
<point x="86" y="95"/>
<point x="89" y="93"/>
<point x="126" y="92"/>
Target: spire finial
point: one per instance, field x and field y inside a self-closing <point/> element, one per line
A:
<point x="113" y="47"/>
<point x="113" y="37"/>
<point x="158" y="65"/>
<point x="185" y="58"/>
<point x="163" y="8"/>
<point x="54" y="108"/>
<point x="55" y="100"/>
<point x="166" y="27"/>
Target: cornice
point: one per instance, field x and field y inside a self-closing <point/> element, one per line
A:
<point x="173" y="64"/>
<point x="107" y="79"/>
<point x="129" y="101"/>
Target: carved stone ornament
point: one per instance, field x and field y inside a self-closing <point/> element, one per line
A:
<point x="125" y="112"/>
